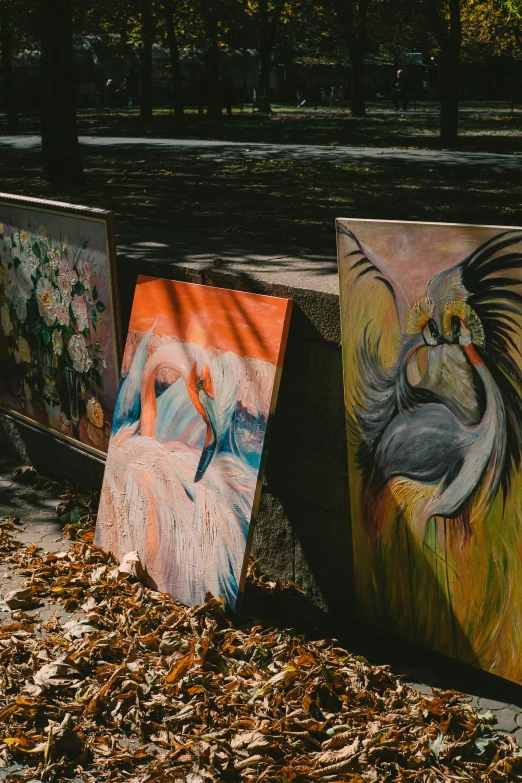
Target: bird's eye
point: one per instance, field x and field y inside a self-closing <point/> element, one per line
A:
<point x="455" y="326"/>
<point x="432" y="326"/>
<point x="201" y="383"/>
<point x="461" y="324"/>
<point x="431" y="333"/>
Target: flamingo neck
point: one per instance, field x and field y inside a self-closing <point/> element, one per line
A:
<point x="163" y="358"/>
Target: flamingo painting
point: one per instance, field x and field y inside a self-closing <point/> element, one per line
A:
<point x="432" y="351"/>
<point x="199" y="381"/>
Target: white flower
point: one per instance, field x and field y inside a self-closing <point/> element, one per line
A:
<point x="27" y="391"/>
<point x="25" y="239"/>
<point x="30" y="259"/>
<point x="84" y="271"/>
<point x="5" y="318"/>
<point x="57" y="342"/>
<point x="79" y="309"/>
<point x="62" y="314"/>
<point x="17" y="357"/>
<point x="95" y="412"/>
<point x="24" y="350"/>
<point x="24" y="273"/>
<point x="54" y="257"/>
<point x="6" y="252"/>
<point x="20" y="306"/>
<point x="64" y="268"/>
<point x="78" y="352"/>
<point x="18" y="288"/>
<point x="64" y="287"/>
<point x="48" y="301"/>
<point x="10" y="283"/>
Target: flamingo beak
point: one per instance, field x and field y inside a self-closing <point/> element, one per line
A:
<point x="209" y="448"/>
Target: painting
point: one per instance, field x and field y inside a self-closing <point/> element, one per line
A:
<point x="59" y="324"/>
<point x="431" y="318"/>
<point x="199" y="381"/>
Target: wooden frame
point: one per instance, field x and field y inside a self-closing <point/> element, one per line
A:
<point x="73" y="385"/>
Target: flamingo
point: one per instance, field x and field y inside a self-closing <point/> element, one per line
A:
<point x="178" y="489"/>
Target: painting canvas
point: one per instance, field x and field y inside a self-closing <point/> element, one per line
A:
<point x="199" y="381"/>
<point x="58" y="319"/>
<point x="431" y="318"/>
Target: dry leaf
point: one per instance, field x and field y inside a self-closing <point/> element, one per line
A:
<point x="179" y="668"/>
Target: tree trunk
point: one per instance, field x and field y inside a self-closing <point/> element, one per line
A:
<point x="61" y="152"/>
<point x="212" y="83"/>
<point x="357" y="82"/>
<point x="6" y="46"/>
<point x="449" y="99"/>
<point x="353" y="20"/>
<point x="265" y="62"/>
<point x="448" y="32"/>
<point x="450" y="62"/>
<point x="268" y="22"/>
<point x="175" y="65"/>
<point x="147" y="32"/>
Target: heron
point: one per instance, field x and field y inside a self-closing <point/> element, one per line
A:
<point x="442" y="443"/>
<point x="178" y="488"/>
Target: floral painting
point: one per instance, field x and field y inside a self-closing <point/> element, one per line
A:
<point x="58" y="328"/>
<point x="199" y="381"/>
<point x="431" y="319"/>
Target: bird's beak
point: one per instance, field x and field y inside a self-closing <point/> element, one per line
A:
<point x="209" y="448"/>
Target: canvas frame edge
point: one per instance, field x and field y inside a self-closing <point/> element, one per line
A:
<point x="264" y="453"/>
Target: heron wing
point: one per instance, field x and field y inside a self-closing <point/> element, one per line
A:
<point x="490" y="279"/>
<point x="373" y="312"/>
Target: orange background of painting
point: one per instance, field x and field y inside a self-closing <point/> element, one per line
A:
<point x="250" y="325"/>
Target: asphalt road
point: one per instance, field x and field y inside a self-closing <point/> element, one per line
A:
<point x="306" y="153"/>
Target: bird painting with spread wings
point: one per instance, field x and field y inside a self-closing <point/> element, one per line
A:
<point x="432" y="348"/>
<point x="199" y="381"/>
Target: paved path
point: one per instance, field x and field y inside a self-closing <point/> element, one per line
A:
<point x="297" y="152"/>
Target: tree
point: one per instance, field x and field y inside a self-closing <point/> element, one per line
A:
<point x="6" y="47"/>
<point x="444" y="17"/>
<point x="353" y="18"/>
<point x="268" y="18"/>
<point x="147" y="32"/>
<point x="60" y="147"/>
<point x="175" y="62"/>
<point x="210" y="20"/>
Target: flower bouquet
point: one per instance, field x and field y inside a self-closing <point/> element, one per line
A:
<point x="49" y="313"/>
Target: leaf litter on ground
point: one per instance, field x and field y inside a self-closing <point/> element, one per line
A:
<point x="133" y="686"/>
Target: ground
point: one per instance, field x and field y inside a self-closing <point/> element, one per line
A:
<point x="102" y="679"/>
<point x="277" y="199"/>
